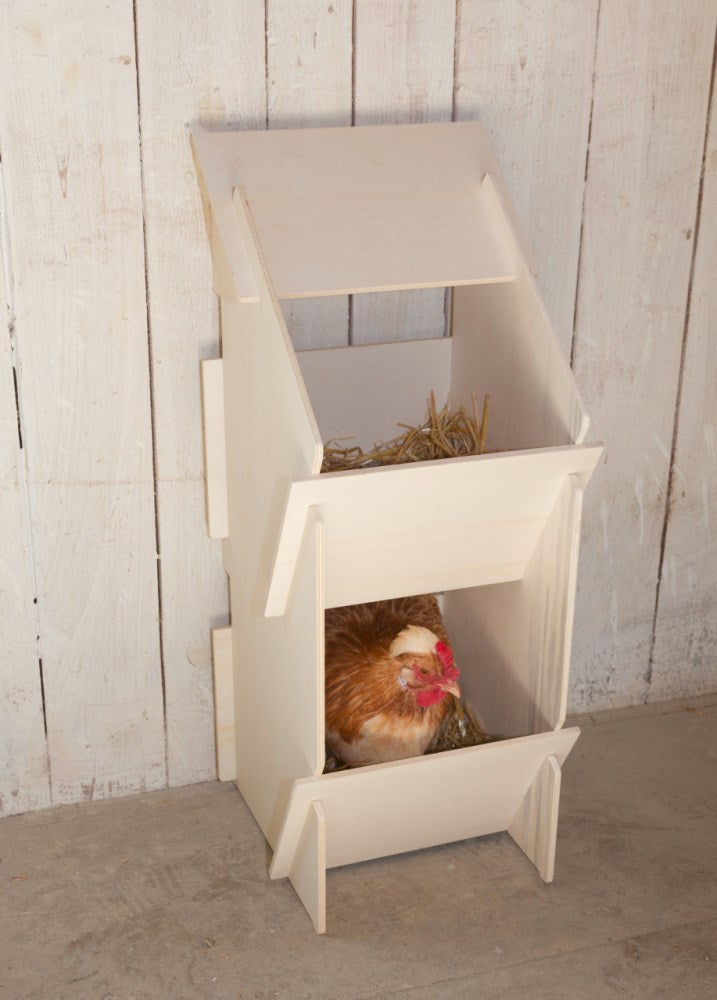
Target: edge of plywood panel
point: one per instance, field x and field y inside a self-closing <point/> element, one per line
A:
<point x="424" y="526"/>
<point x="407" y="805"/>
<point x="319" y="240"/>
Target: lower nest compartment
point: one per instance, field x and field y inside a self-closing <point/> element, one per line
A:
<point x="374" y="715"/>
<point x="407" y="805"/>
<point x="459" y="729"/>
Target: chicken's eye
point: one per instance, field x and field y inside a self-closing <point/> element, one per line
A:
<point x="424" y="671"/>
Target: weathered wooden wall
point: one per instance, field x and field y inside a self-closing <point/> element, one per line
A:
<point x="603" y="121"/>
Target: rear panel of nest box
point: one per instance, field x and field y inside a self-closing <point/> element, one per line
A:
<point x="314" y="212"/>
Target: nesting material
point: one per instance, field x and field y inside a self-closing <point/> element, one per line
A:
<point x="459" y="729"/>
<point x="445" y="433"/>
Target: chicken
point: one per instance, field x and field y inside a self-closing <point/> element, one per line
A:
<point x="389" y="667"/>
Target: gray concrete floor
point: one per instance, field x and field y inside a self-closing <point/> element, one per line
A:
<point x="165" y="895"/>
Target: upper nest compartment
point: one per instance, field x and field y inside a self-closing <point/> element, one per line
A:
<point x="310" y="212"/>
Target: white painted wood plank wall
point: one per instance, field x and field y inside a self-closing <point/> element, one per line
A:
<point x="648" y="125"/>
<point x="685" y="639"/>
<point x="24" y="774"/>
<point x="600" y="129"/>
<point x="71" y="170"/>
<point x="308" y="82"/>
<point x="203" y="68"/>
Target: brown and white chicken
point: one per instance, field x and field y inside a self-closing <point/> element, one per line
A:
<point x="389" y="668"/>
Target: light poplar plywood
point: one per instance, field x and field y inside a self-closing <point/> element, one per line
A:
<point x="223" y="674"/>
<point x="300" y="542"/>
<point x="427" y="526"/>
<point x="308" y="870"/>
<point x="403" y="73"/>
<point x="505" y="347"/>
<point x="69" y="136"/>
<point x="309" y="52"/>
<point x="649" y="114"/>
<point x="685" y="651"/>
<point x="512" y="640"/>
<point x="363" y="182"/>
<point x="410" y="804"/>
<point x="24" y="774"/>
<point x="215" y="447"/>
<point x="278" y="664"/>
<point x="200" y="65"/>
<point x="525" y="71"/>
<point x="534" y="827"/>
<point x="363" y="393"/>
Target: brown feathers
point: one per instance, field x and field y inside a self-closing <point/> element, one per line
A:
<point x="373" y="681"/>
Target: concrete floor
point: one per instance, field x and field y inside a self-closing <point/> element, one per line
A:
<point x="165" y="896"/>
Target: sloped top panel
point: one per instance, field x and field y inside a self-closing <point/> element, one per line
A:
<point x="343" y="210"/>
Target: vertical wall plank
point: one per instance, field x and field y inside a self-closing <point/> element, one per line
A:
<point x="525" y="71"/>
<point x="685" y="651"/>
<point x="200" y="66"/>
<point x="403" y="60"/>
<point x="69" y="138"/>
<point x="24" y="777"/>
<point x="309" y="52"/>
<point x="646" y="149"/>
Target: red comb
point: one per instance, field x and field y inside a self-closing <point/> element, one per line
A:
<point x="444" y="654"/>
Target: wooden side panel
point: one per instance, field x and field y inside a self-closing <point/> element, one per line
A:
<point x="278" y="664"/>
<point x="647" y="139"/>
<point x="426" y="526"/>
<point x="24" y="776"/>
<point x="69" y="137"/>
<point x="215" y="448"/>
<point x="525" y="71"/>
<point x="372" y="812"/>
<point x="309" y="53"/>
<point x="534" y="827"/>
<point x="303" y="717"/>
<point x="225" y="729"/>
<point x="363" y="393"/>
<point x="505" y="347"/>
<point x="512" y="640"/>
<point x="201" y="64"/>
<point x="403" y="72"/>
<point x="308" y="870"/>
<point x="685" y="653"/>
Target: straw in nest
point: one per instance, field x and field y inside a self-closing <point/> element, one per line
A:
<point x="443" y="434"/>
<point x="459" y="729"/>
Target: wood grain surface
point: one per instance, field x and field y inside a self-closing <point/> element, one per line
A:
<point x="525" y="71"/>
<point x="641" y="204"/>
<point x="113" y="309"/>
<point x="403" y="73"/>
<point x="71" y="163"/>
<point x="683" y="656"/>
<point x="191" y="71"/>
<point x="308" y="82"/>
<point x="24" y="772"/>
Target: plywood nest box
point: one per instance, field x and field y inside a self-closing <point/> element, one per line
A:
<point x="314" y="212"/>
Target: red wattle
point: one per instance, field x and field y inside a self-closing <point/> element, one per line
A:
<point x="429" y="696"/>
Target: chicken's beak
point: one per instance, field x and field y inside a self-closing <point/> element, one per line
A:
<point x="451" y="687"/>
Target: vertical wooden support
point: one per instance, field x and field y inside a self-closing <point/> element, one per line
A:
<point x="224" y="703"/>
<point x="308" y="870"/>
<point x="215" y="450"/>
<point x="535" y="825"/>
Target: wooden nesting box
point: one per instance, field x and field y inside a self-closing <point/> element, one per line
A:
<point x="348" y="210"/>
